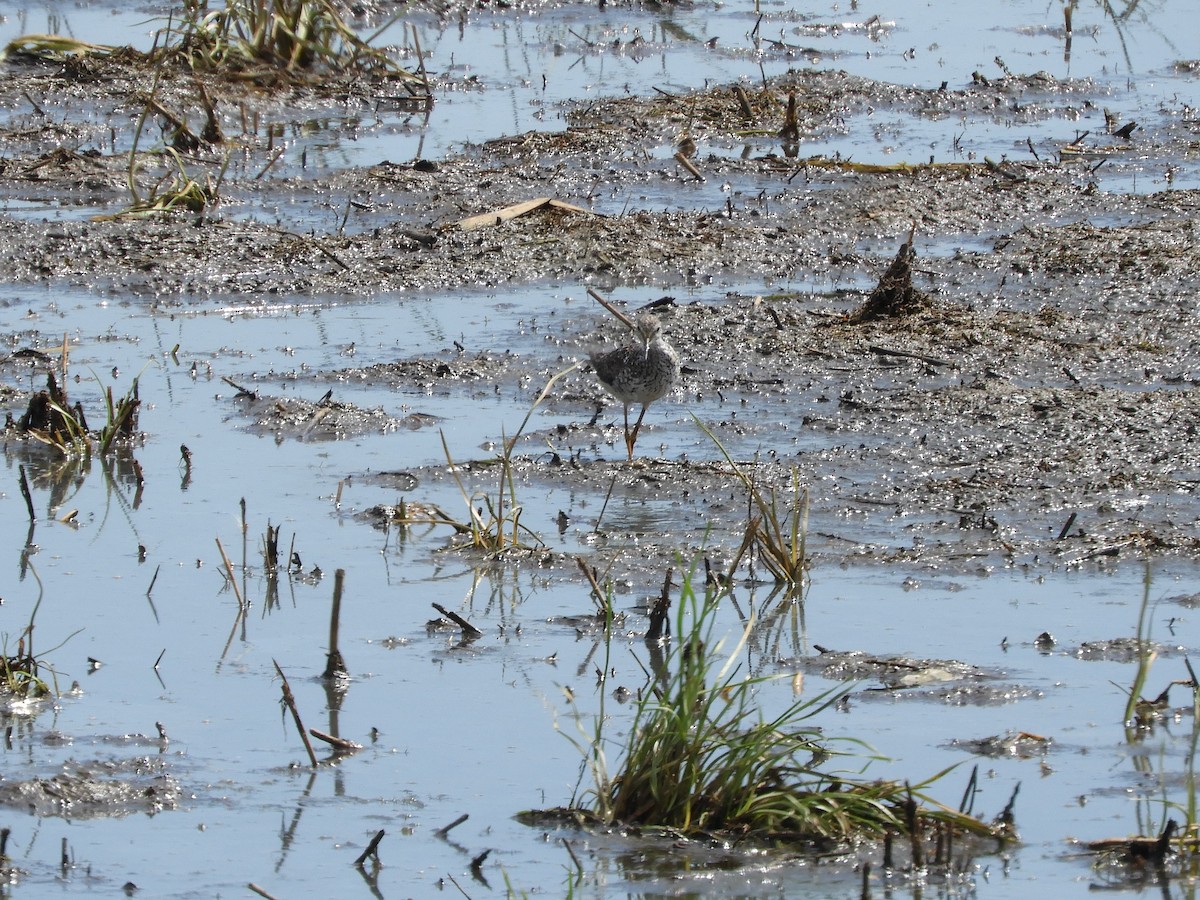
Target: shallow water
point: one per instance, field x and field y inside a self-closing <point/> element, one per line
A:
<point x="450" y="729"/>
<point x="425" y="707"/>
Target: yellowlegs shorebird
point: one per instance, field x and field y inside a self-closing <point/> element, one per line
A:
<point x="640" y="373"/>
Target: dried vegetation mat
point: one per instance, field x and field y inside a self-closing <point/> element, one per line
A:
<point x="239" y="55"/>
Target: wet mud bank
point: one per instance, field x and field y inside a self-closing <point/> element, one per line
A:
<point x="1037" y="409"/>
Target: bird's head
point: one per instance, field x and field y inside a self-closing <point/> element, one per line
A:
<point x="649" y="329"/>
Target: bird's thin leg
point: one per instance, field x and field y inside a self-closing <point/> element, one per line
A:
<point x="629" y="441"/>
<point x="632" y="439"/>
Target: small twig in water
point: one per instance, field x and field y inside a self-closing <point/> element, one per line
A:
<point x="571" y="853"/>
<point x="28" y="497"/>
<point x="625" y="320"/>
<point x="689" y="166"/>
<point x="914" y="830"/>
<point x="1067" y="526"/>
<point x="336" y="742"/>
<point x="905" y="354"/>
<point x="242" y="392"/>
<point x="603" y="607"/>
<point x="743" y="100"/>
<point x="229" y="571"/>
<point x="445" y="829"/>
<point x="290" y="702"/>
<point x="468" y="629"/>
<point x="569" y="30"/>
<point x="660" y="623"/>
<point x="372" y="848"/>
<point x="607" y="496"/>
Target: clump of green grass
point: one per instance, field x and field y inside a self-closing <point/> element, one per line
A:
<point x="494" y="520"/>
<point x="256" y="37"/>
<point x="1164" y="847"/>
<point x="776" y="532"/>
<point x="53" y="420"/>
<point x="702" y="758"/>
<point x="1140" y="713"/>
<point x="177" y="191"/>
<point x="253" y="39"/>
<point x="21" y="673"/>
<point x="49" y="418"/>
<point x="121" y="419"/>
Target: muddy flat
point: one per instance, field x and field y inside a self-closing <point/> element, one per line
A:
<point x="1053" y="351"/>
<point x="937" y="294"/>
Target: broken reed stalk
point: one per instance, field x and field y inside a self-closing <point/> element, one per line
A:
<point x="290" y="702"/>
<point x="335" y="665"/>
<point x="421" y="72"/>
<point x="468" y="630"/>
<point x="372" y="849"/>
<point x="612" y="482"/>
<point x="790" y="132"/>
<point x="28" y="497"/>
<point x="1006" y="821"/>
<point x="571" y="853"/>
<point x="913" y="824"/>
<point x="1146" y="654"/>
<point x="625" y="320"/>
<point x="245" y="536"/>
<point x="603" y="603"/>
<point x="1066" y="529"/>
<point x="689" y="166"/>
<point x="340" y="744"/>
<point x="271" y="549"/>
<point x="967" y="805"/>
<point x="660" y="623"/>
<point x="445" y="829"/>
<point x="743" y="100"/>
<point x="229" y="571"/>
<point x="185" y="460"/>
